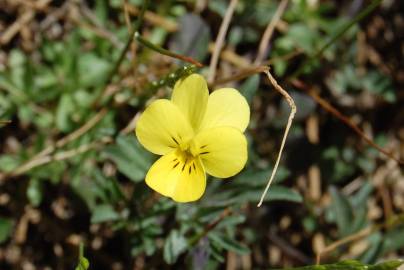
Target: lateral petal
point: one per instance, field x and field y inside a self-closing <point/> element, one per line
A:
<point x="191" y="96"/>
<point x="175" y="176"/>
<point x="222" y="150"/>
<point x="162" y="127"/>
<point x="226" y="107"/>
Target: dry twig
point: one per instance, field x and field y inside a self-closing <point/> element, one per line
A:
<point x="42" y="160"/>
<point x="262" y="49"/>
<point x="331" y="109"/>
<point x="23" y="20"/>
<point x="292" y="105"/>
<point x="220" y="39"/>
<point x="392" y="222"/>
<point x="44" y="157"/>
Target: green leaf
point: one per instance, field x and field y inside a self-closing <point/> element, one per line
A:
<point x="228" y="243"/>
<point x="65" y="109"/>
<point x="374" y="250"/>
<point x="174" y="245"/>
<point x="192" y="38"/>
<point x="390" y="265"/>
<point x="280" y="193"/>
<point x="8" y="163"/>
<point x="92" y="70"/>
<point x="83" y="263"/>
<point x="250" y="87"/>
<point x="130" y="157"/>
<point x="393" y="240"/>
<point x="103" y="213"/>
<point x="6" y="227"/>
<point x="343" y="211"/>
<point x="34" y="191"/>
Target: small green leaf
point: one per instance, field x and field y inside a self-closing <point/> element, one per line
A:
<point x="8" y="163"/>
<point x="83" y="263"/>
<point x="390" y="265"/>
<point x="175" y="244"/>
<point x="192" y="38"/>
<point x="393" y="240"/>
<point x="228" y="243"/>
<point x="131" y="158"/>
<point x="343" y="212"/>
<point x="103" y="213"/>
<point x="34" y="191"/>
<point x="250" y="87"/>
<point x="65" y="109"/>
<point x="280" y="193"/>
<point x="6" y="226"/>
<point x="92" y="69"/>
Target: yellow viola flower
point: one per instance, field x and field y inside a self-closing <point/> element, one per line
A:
<point x="195" y="133"/>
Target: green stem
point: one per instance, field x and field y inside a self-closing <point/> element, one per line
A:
<point x="334" y="38"/>
<point x="81" y="250"/>
<point x="163" y="51"/>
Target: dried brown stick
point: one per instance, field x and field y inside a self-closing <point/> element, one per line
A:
<point x="248" y="71"/>
<point x="220" y="40"/>
<point x="292" y="105"/>
<point x="43" y="157"/>
<point x="42" y="160"/>
<point x="287" y="248"/>
<point x="264" y="43"/>
<point x="26" y="17"/>
<point x="244" y="73"/>
<point x="392" y="222"/>
<point x="154" y="18"/>
<point x="331" y="109"/>
<point x="350" y="238"/>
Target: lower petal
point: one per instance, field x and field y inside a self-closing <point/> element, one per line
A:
<point x="176" y="176"/>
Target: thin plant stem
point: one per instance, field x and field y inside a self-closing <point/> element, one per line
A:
<point x="81" y="250"/>
<point x="344" y="119"/>
<point x="226" y="212"/>
<point x="163" y="51"/>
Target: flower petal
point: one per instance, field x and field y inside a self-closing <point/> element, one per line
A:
<point x="226" y="107"/>
<point x="162" y="127"/>
<point x="222" y="150"/>
<point x="191" y="96"/>
<point x="174" y="176"/>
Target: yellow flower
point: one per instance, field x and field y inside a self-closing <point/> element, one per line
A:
<point x="195" y="133"/>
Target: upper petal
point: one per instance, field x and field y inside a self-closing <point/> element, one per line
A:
<point x="174" y="176"/>
<point x="222" y="150"/>
<point x="191" y="96"/>
<point x="226" y="107"/>
<point x="162" y="127"/>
